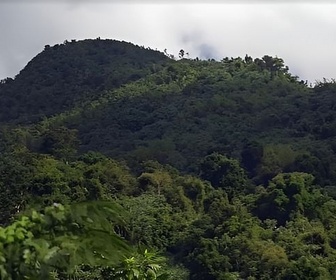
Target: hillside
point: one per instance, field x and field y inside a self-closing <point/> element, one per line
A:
<point x="66" y="74"/>
<point x="136" y="104"/>
<point x="226" y="167"/>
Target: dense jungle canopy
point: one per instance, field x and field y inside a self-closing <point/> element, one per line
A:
<point x="121" y="162"/>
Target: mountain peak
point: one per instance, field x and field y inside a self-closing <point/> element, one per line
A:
<point x="65" y="73"/>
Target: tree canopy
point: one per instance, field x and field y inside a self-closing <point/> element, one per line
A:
<point x="119" y="162"/>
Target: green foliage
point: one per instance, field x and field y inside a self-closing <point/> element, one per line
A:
<point x="60" y="142"/>
<point x="143" y="266"/>
<point x="275" y="160"/>
<point x="287" y="194"/>
<point x="151" y="220"/>
<point x="61" y="238"/>
<point x="14" y="174"/>
<point x="136" y="104"/>
<point x="224" y="167"/>
<point x="225" y="173"/>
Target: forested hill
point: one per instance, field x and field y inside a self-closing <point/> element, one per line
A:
<point x="226" y="167"/>
<point x="137" y="104"/>
<point x="63" y="75"/>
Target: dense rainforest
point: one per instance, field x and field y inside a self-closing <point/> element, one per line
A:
<point x="120" y="162"/>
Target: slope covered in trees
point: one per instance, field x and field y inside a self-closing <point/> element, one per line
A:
<point x="64" y="74"/>
<point x="227" y="168"/>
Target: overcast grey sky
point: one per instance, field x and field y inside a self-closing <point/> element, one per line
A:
<point x="303" y="33"/>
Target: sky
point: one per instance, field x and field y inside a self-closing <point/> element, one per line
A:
<point x="303" y="33"/>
